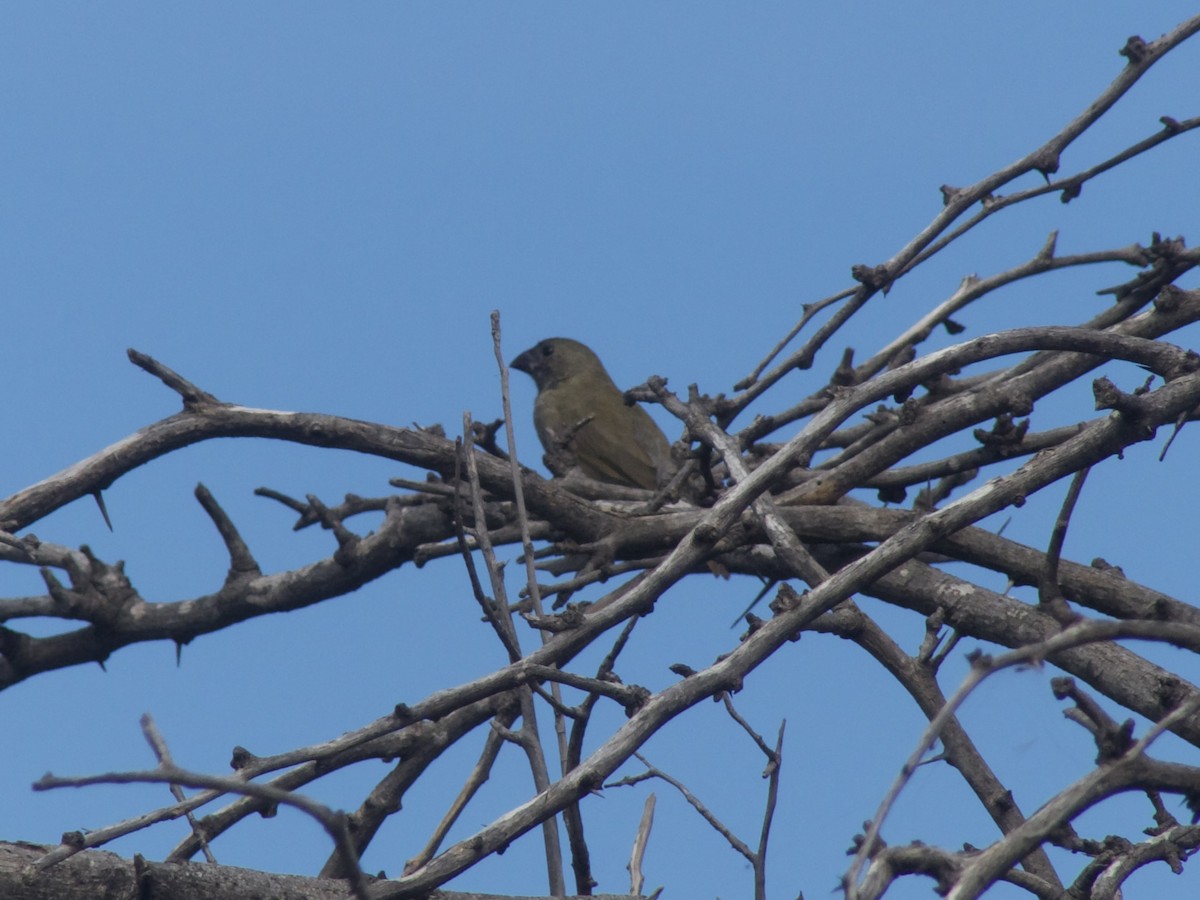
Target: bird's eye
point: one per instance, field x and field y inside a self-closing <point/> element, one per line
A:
<point x="547" y="349"/>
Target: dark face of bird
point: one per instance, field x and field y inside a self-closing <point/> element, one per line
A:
<point x="553" y="360"/>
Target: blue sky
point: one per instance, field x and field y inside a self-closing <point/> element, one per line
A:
<point x="316" y="206"/>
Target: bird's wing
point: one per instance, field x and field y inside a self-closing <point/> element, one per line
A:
<point x="620" y="459"/>
<point x="618" y="443"/>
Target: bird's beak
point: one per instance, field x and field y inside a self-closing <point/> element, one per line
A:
<point x="523" y="363"/>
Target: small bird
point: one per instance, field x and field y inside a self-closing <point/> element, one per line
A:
<point x="580" y="411"/>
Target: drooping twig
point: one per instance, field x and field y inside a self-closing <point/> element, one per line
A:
<point x="333" y="822"/>
<point x="1050" y="595"/>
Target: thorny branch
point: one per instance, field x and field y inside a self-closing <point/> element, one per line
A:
<point x="787" y="512"/>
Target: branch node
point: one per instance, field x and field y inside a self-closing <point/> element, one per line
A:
<point x="1135" y="50"/>
<point x="874" y="277"/>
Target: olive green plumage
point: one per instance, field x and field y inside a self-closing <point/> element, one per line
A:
<point x="619" y="444"/>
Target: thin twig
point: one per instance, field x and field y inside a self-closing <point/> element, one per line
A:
<point x="640" y="841"/>
<point x="530" y="739"/>
<point x="478" y="777"/>
<point x="159" y="745"/>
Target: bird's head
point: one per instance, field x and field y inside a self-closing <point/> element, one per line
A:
<point x="554" y="360"/>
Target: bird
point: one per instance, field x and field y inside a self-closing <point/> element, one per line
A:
<point x="581" y="413"/>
